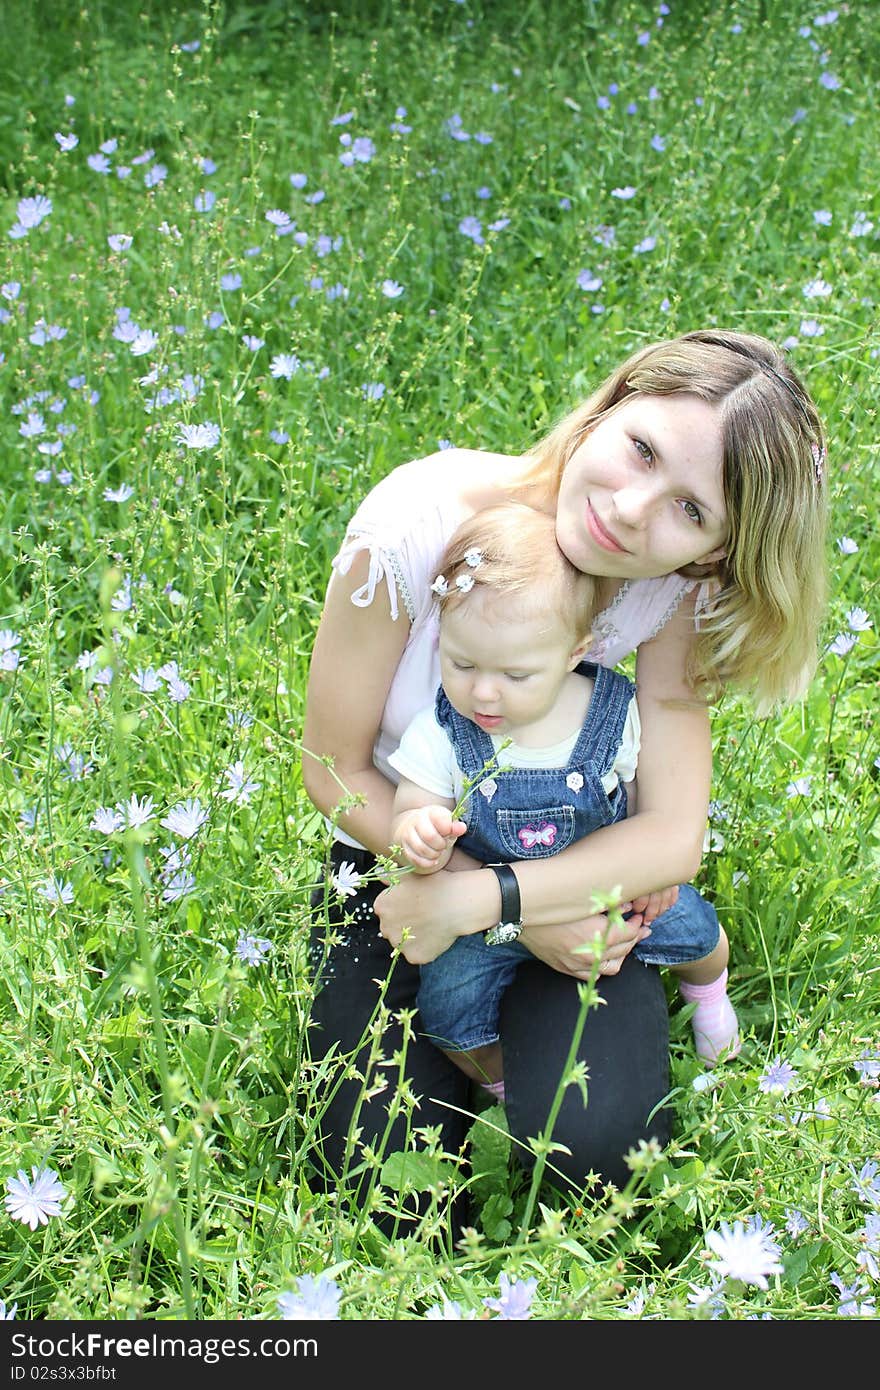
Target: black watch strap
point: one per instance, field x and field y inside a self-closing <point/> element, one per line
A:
<point x="510" y="924"/>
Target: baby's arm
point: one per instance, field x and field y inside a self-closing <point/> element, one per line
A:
<point x="424" y="828"/>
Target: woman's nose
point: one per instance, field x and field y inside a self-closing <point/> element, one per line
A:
<point x="633" y="505"/>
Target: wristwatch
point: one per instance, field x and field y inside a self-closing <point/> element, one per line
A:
<point x="510" y="924"/>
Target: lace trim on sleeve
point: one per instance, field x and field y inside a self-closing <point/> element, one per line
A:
<point x="673" y="607"/>
<point x="384" y="564"/>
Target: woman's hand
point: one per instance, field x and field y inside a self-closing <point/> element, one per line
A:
<point x="424" y="914"/>
<point x="561" y="947"/>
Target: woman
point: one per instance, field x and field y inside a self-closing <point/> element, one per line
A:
<point x="692" y="484"/>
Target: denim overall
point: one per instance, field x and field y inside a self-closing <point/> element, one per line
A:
<point x="533" y="813"/>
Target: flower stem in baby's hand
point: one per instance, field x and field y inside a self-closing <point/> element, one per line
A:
<point x="490" y="766"/>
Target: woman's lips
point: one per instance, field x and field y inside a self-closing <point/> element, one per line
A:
<point x="600" y="535"/>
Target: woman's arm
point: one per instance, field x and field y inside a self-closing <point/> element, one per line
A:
<point x="662" y="843"/>
<point x="355" y="656"/>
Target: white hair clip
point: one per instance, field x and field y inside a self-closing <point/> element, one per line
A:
<point x="440" y="587"/>
<point x="464" y="582"/>
<point x="819" y="453"/>
<point x="473" y="558"/>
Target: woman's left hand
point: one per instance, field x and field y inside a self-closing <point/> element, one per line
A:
<point x="423" y="914"/>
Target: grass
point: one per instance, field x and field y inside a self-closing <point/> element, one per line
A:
<point x="161" y="1076"/>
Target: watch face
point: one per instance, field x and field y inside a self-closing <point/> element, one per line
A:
<point x="502" y="934"/>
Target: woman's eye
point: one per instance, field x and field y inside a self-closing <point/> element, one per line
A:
<point x="692" y="512"/>
<point x="645" y="450"/>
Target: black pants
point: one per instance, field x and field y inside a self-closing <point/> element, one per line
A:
<point x="625" y="1046"/>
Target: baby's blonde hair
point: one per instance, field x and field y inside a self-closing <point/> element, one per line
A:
<point x="761" y="630"/>
<point x="518" y="559"/>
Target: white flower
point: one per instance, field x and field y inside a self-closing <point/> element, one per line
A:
<point x="314" y="1299"/>
<point x="146" y="680"/>
<point x="817" y="289"/>
<point x="464" y="582"/>
<point x="119" y="241"/>
<point x="346" y="880"/>
<point x="6" y="1314"/>
<point x="800" y="787"/>
<point x="33" y="1200"/>
<point x="178" y="886"/>
<point x="186" y="818"/>
<point x="118" y="494"/>
<point x="240" y="787"/>
<point x="449" y="1311"/>
<point x="252" y="949"/>
<point x="473" y="558"/>
<point x="136" y="812"/>
<point x="205" y="436"/>
<point x="178" y="689"/>
<point x="106" y="820"/>
<point x="743" y="1253"/>
<point x="858" y="620"/>
<point x="31" y="211"/>
<point x="391" y="289"/>
<point x="57" y="890"/>
<point x="285" y="364"/>
<point x="440" y="587"/>
<point x="847" y="546"/>
<point x="143" y="343"/>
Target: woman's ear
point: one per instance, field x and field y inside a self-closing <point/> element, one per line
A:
<point x="579" y="652"/>
<point x="713" y="556"/>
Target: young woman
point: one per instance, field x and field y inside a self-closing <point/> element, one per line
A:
<point x="691" y="484"/>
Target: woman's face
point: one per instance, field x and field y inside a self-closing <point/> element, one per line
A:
<point x="642" y="495"/>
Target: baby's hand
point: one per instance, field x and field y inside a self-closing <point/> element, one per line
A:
<point x="653" y="905"/>
<point x="427" y="836"/>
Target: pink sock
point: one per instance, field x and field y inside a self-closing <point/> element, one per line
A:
<point x="494" y="1089"/>
<point x="716" y="1031"/>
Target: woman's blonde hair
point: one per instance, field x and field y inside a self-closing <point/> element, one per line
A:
<point x="761" y="629"/>
<point x="510" y="551"/>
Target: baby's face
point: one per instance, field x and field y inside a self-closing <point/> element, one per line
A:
<point x="502" y="667"/>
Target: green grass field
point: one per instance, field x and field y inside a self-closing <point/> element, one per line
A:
<point x="254" y="256"/>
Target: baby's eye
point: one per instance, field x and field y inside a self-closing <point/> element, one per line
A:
<point x="461" y="666"/>
<point x="517" y="675"/>
<point x="645" y="450"/>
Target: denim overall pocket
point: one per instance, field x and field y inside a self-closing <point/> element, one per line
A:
<point x="535" y="834"/>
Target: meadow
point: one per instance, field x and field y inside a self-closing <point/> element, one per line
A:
<point x="254" y="256"/>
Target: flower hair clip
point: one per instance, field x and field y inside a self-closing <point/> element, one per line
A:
<point x="440" y="587"/>
<point x="473" y="558"/>
<point x="819" y="453"/>
<point x="464" y="583"/>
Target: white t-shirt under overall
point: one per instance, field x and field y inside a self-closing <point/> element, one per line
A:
<point x="426" y="755"/>
<point x="404" y="523"/>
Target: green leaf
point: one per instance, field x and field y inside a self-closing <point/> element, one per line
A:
<point x="415" y="1172"/>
